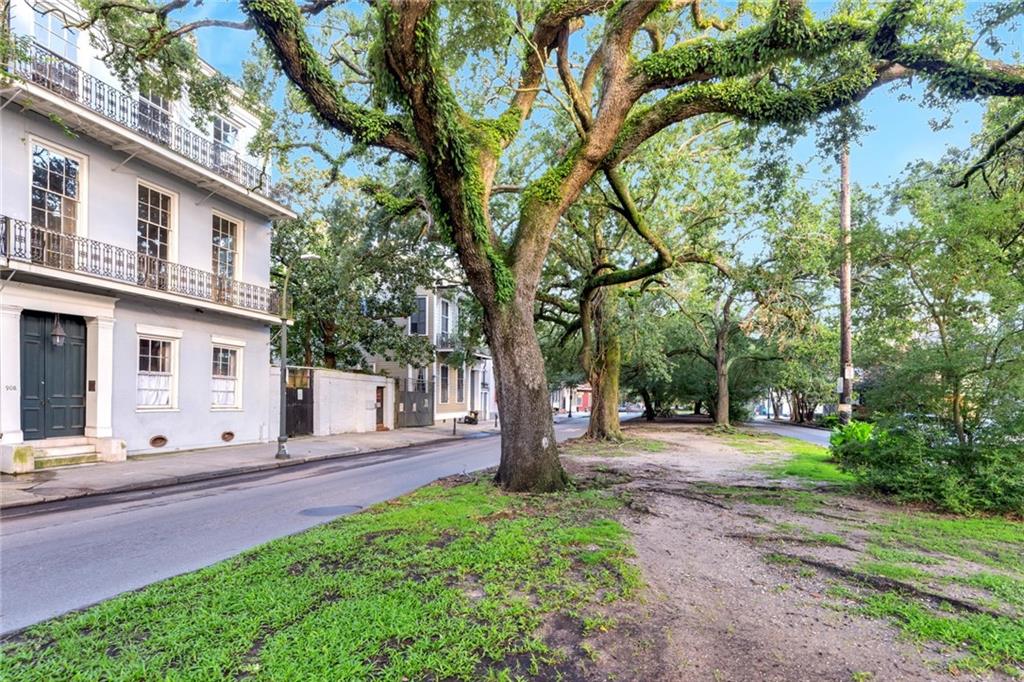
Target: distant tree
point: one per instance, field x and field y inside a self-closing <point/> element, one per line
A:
<point x="747" y="299"/>
<point x="805" y="374"/>
<point x="619" y="238"/>
<point x="346" y="302"/>
<point x="943" y="320"/>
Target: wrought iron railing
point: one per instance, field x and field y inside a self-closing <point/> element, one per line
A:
<point x="444" y="340"/>
<point x="72" y="253"/>
<point x="38" y="65"/>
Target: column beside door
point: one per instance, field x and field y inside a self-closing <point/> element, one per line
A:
<point x="99" y="377"/>
<point x="10" y="375"/>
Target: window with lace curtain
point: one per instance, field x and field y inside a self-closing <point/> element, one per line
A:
<point x="155" y="380"/>
<point x="225" y="388"/>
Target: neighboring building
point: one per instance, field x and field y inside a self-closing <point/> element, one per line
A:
<point x="578" y="397"/>
<point x="136" y="306"/>
<point x="451" y="391"/>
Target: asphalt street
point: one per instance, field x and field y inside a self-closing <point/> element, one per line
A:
<point x="816" y="436"/>
<point x="61" y="556"/>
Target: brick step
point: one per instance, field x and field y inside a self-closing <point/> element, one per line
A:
<point x="66" y="460"/>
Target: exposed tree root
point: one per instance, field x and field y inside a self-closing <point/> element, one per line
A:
<point x="758" y="537"/>
<point x="890" y="585"/>
<point x="676" y="492"/>
<point x="837" y="517"/>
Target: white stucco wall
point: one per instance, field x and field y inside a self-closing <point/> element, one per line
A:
<point x="345" y="402"/>
<point x="110" y="198"/>
<point x="194" y="423"/>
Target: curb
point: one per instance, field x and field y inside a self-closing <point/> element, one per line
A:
<point x="170" y="481"/>
<point x="783" y="422"/>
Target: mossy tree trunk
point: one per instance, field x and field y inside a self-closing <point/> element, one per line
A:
<point x="529" y="453"/>
<point x="604" y="369"/>
<point x="721" y="380"/>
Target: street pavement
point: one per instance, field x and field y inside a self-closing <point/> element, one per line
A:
<point x="157" y="470"/>
<point x="811" y="435"/>
<point x="65" y="555"/>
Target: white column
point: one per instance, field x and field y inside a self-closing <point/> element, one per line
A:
<point x="10" y="374"/>
<point x="99" y="374"/>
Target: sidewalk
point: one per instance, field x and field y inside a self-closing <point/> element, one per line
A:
<point x="159" y="470"/>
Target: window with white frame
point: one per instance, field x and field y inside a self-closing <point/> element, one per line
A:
<point x="51" y="33"/>
<point x="153" y="227"/>
<point x="154" y="115"/>
<point x="225" y="246"/>
<point x="446" y="313"/>
<point x="224" y="132"/>
<point x="444" y="383"/>
<point x="60" y="73"/>
<point x="225" y="387"/>
<point x="418" y="320"/>
<point x="460" y="385"/>
<point x="155" y="382"/>
<point x="153" y="236"/>
<point x="56" y="188"/>
<point x="421" y="379"/>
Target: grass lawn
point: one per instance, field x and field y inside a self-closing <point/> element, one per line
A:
<point x="449" y="582"/>
<point x="986" y="554"/>
<point x="808" y="461"/>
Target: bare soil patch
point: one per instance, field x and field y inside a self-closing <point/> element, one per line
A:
<point x="747" y="577"/>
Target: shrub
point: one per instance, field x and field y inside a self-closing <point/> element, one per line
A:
<point x="739" y="412"/>
<point x="854" y="431"/>
<point x="829" y="421"/>
<point x="919" y="463"/>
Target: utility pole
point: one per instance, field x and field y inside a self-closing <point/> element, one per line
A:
<point x="845" y="276"/>
<point x="282" y="431"/>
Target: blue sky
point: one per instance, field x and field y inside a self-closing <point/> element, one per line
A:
<point x="901" y="131"/>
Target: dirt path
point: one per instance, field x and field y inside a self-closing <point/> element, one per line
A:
<point x="734" y="591"/>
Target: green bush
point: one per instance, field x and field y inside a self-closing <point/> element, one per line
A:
<point x="829" y="421"/>
<point x="859" y="432"/>
<point x="920" y="463"/>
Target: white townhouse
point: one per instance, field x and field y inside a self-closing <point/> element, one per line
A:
<point x="440" y="391"/>
<point x="135" y="299"/>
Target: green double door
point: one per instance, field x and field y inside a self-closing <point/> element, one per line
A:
<point x="52" y="377"/>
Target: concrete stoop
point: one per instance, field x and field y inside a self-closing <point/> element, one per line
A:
<point x="23" y="458"/>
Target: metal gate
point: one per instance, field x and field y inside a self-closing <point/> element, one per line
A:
<point x="414" y="403"/>
<point x="298" y="415"/>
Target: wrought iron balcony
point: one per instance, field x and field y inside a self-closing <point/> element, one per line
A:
<point x="26" y="243"/>
<point x="38" y="65"/>
<point x="444" y="341"/>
